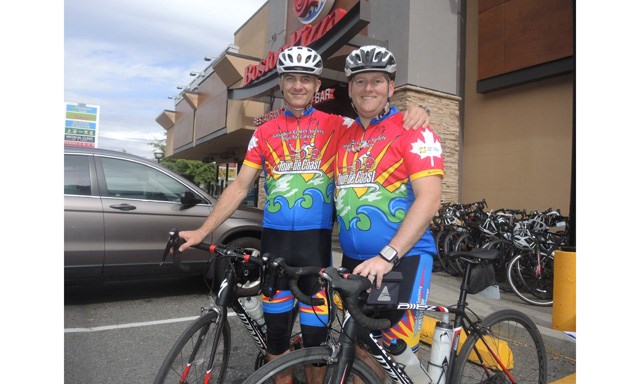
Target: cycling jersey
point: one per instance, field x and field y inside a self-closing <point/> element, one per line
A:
<point x="374" y="169"/>
<point x="373" y="173"/>
<point x="297" y="156"/>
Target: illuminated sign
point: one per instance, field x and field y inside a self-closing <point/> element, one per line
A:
<point x="309" y="10"/>
<point x="303" y="36"/>
<point x="320" y="97"/>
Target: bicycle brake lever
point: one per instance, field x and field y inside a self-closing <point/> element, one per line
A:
<point x="173" y="235"/>
<point x="271" y="271"/>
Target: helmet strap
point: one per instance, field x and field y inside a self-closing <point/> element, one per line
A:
<point x="385" y="110"/>
<point x="289" y="107"/>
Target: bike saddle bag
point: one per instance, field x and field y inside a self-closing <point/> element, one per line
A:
<point x="389" y="290"/>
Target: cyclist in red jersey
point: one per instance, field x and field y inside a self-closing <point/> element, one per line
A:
<point x="296" y="153"/>
<point x="384" y="205"/>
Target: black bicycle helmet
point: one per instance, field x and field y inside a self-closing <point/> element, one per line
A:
<point x="370" y="58"/>
<point x="299" y="60"/>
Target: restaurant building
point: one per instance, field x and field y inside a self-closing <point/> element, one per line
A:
<point x="497" y="75"/>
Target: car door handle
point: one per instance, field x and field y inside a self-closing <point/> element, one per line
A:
<point x="123" y="207"/>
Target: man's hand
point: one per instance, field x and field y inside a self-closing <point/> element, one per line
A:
<point x="374" y="268"/>
<point x="415" y="118"/>
<point x="191" y="238"/>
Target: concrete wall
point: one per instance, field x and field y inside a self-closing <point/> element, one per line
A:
<point x="423" y="35"/>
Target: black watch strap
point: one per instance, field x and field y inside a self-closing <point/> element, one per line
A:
<point x="390" y="255"/>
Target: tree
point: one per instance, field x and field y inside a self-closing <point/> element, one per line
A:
<point x="202" y="174"/>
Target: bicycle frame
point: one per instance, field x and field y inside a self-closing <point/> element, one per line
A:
<point x="345" y="347"/>
<point x="227" y="297"/>
<point x="222" y="298"/>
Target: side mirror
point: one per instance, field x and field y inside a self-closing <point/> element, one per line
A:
<point x="189" y="199"/>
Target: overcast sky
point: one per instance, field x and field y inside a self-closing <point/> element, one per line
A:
<point x="129" y="56"/>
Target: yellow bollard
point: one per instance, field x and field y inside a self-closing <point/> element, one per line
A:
<point x="563" y="312"/>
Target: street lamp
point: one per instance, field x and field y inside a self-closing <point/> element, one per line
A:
<point x="158" y="154"/>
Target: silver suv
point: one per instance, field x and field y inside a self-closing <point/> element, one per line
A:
<point x="119" y="208"/>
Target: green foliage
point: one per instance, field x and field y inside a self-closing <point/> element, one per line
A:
<point x="198" y="172"/>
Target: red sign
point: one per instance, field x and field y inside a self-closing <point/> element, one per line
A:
<point x="302" y="7"/>
<point x="303" y="36"/>
<point x="309" y="10"/>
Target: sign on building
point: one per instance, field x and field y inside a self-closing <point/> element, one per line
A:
<point x="81" y="125"/>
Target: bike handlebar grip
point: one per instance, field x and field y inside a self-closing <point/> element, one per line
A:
<point x="351" y="287"/>
<point x="351" y="303"/>
<point x="297" y="293"/>
<point x="293" y="274"/>
<point x="202" y="246"/>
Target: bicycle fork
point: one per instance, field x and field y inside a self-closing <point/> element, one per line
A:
<point x="348" y="339"/>
<point x="216" y="339"/>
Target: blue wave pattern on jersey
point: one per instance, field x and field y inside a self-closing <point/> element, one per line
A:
<point x="311" y="211"/>
<point x="371" y="230"/>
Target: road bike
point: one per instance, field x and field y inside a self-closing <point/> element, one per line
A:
<point x="503" y="347"/>
<point x="201" y="353"/>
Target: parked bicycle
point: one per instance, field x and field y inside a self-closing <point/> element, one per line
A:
<point x="530" y="271"/>
<point x="503" y="347"/>
<point x="201" y="353"/>
<point x="526" y="242"/>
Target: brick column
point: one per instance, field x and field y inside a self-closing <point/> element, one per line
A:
<point x="445" y="121"/>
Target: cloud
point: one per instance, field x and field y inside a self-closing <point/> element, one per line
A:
<point x="127" y="57"/>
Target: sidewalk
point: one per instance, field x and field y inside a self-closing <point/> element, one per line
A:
<point x="561" y="348"/>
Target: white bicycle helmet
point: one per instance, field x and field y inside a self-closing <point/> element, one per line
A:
<point x="489" y="226"/>
<point x="370" y="58"/>
<point x="299" y="60"/>
<point x="536" y="225"/>
<point x="523" y="241"/>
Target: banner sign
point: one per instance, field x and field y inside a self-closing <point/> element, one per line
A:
<point x="81" y="125"/>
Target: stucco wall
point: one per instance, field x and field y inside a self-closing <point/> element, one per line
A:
<point x="516" y="142"/>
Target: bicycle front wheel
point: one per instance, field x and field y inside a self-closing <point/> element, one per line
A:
<point x="297" y="360"/>
<point x="510" y="350"/>
<point x="189" y="358"/>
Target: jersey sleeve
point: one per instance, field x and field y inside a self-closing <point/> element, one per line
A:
<point x="423" y="154"/>
<point x="253" y="158"/>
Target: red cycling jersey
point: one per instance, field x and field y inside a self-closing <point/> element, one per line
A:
<point x="297" y="155"/>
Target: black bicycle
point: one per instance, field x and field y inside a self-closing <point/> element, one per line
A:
<point x="201" y="353"/>
<point x="503" y="347"/>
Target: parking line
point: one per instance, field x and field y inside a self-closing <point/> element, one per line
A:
<point x="133" y="325"/>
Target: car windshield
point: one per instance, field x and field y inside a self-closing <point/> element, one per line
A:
<point x="131" y="180"/>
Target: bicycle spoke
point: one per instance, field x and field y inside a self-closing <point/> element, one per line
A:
<point x="510" y="350"/>
<point x="196" y="356"/>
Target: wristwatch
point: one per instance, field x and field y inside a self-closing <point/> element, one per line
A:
<point x="426" y="109"/>
<point x="390" y="255"/>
